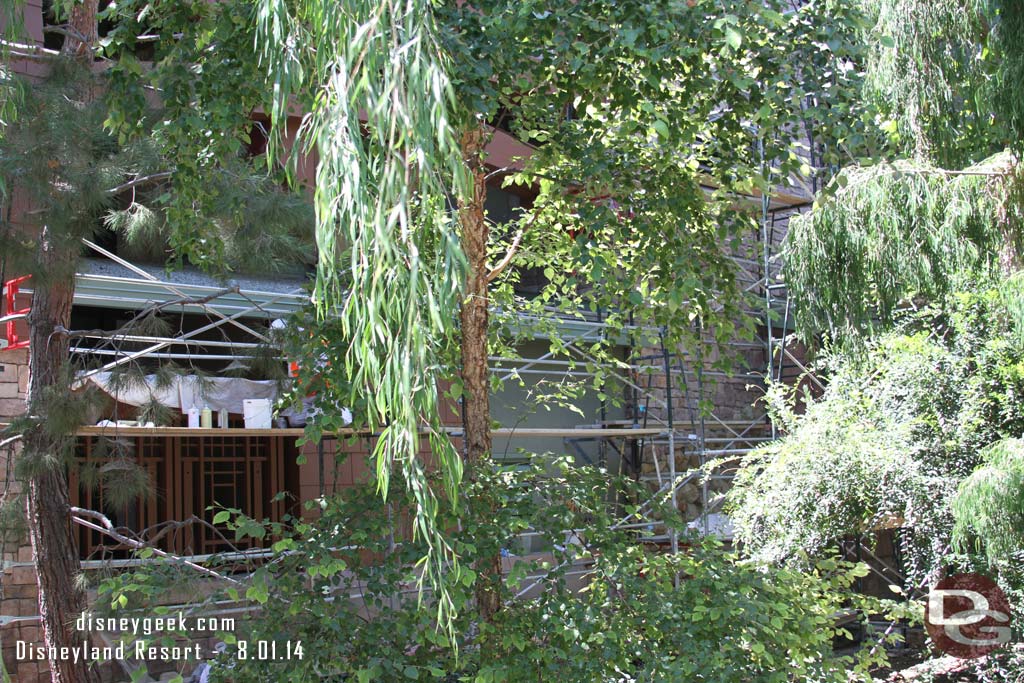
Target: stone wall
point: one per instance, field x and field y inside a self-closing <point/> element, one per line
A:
<point x="19" y="607"/>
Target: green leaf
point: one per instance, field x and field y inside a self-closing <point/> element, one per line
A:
<point x="733" y="37"/>
<point x="661" y="128"/>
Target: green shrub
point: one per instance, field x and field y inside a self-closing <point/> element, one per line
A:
<point x="902" y="423"/>
<point x="346" y="586"/>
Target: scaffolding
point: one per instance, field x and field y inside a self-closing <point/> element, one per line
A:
<point x="674" y="437"/>
<point x="671" y="434"/>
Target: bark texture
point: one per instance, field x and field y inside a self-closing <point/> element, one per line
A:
<point x="474" y="321"/>
<point x="47" y="508"/>
<point x="82" y="30"/>
<point x="54" y="549"/>
<point x="474" y="315"/>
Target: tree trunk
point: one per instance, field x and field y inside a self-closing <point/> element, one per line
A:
<point x="83" y="30"/>
<point x="474" y="307"/>
<point x="475" y="379"/>
<point x="54" y="550"/>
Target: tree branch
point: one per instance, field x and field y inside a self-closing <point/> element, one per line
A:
<point x="567" y="182"/>
<point x="149" y="310"/>
<point x="152" y="178"/>
<point x="27" y="51"/>
<point x="103" y="525"/>
<point x="512" y="249"/>
<point x="66" y="30"/>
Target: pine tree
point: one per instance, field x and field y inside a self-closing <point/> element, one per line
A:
<point x="54" y="549"/>
<point x="59" y="158"/>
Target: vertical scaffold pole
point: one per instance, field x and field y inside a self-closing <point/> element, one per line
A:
<point x="702" y="455"/>
<point x="673" y="535"/>
<point x="766" y="239"/>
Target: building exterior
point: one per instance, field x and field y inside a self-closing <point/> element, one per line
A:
<point x="658" y="433"/>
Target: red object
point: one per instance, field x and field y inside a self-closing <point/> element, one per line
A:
<point x="10" y="297"/>
<point x="968" y="616"/>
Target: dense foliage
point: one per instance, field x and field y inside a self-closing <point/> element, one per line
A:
<point x="940" y="200"/>
<point x="344" y="585"/>
<point x="623" y="146"/>
<point x="900" y="425"/>
<point x="83" y="183"/>
<point x="648" y="118"/>
<point x="642" y="115"/>
<point x="930" y="75"/>
<point x="989" y="505"/>
<point x="61" y="158"/>
<point x="397" y="98"/>
<point x="890" y="232"/>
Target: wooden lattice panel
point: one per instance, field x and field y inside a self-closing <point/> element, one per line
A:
<point x="188" y="475"/>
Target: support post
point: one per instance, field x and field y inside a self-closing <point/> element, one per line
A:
<point x="673" y="535"/>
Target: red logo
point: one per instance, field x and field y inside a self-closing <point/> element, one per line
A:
<point x="968" y="616"/>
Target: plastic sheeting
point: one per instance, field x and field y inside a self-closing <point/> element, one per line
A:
<point x="186" y="391"/>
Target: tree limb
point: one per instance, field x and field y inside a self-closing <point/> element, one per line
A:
<point x="503" y="264"/>
<point x="66" y="30"/>
<point x="149" y="310"/>
<point x="567" y="182"/>
<point x="152" y="178"/>
<point x="103" y="525"/>
<point x="512" y="249"/>
<point x="27" y="51"/>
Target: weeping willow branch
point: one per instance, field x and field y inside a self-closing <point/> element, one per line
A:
<point x="989" y="505"/>
<point x="930" y="78"/>
<point x="892" y="232"/>
<point x="390" y="263"/>
<point x="1009" y="79"/>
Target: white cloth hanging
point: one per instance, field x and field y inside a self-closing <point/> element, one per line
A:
<point x="186" y="391"/>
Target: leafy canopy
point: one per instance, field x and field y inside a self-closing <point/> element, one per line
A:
<point x="649" y="122"/>
<point x="941" y="200"/>
<point x="631" y="619"/>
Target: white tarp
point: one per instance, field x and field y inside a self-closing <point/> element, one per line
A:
<point x="186" y="391"/>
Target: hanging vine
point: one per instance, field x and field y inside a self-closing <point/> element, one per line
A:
<point x="375" y="86"/>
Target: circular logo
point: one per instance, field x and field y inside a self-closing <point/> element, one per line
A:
<point x="967" y="616"/>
